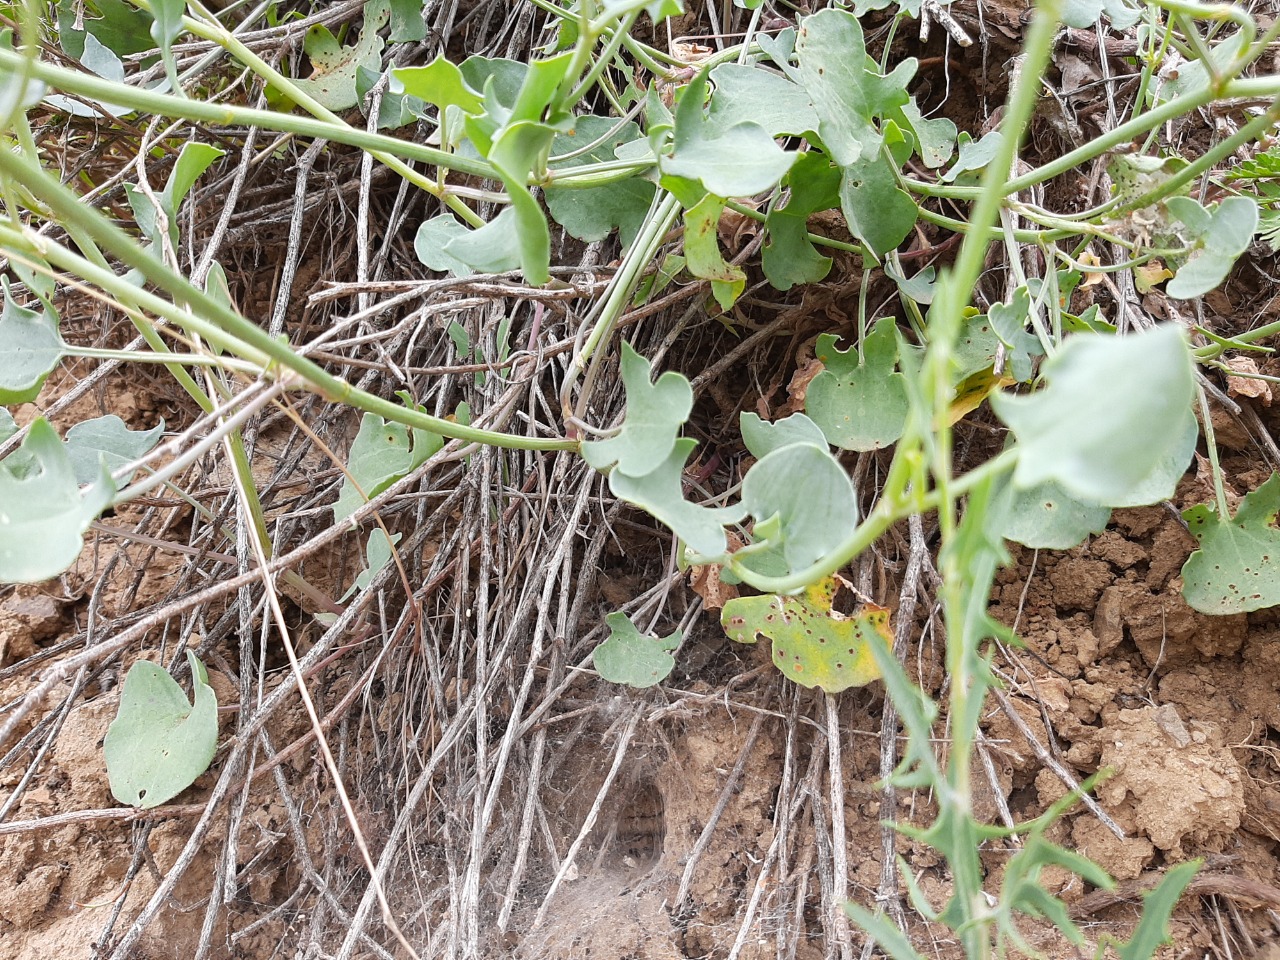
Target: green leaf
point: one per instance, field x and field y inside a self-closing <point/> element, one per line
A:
<point x="395" y="108"/>
<point x="42" y="512"/>
<point x="166" y="28"/>
<point x="813" y="644"/>
<point x="1220" y="235"/>
<point x="658" y="10"/>
<point x="1044" y="517"/>
<point x="121" y="28"/>
<point x="381" y="454"/>
<point x="660" y="493"/>
<point x="790" y="258"/>
<point x="1234" y="569"/>
<point x="192" y="162"/>
<point x="159" y="743"/>
<point x="431" y="239"/>
<point x="377" y="556"/>
<point x="844" y="86"/>
<point x="806" y="498"/>
<point x="973" y="157"/>
<point x="702" y="251"/>
<point x="1157" y="907"/>
<point x="494" y="75"/>
<point x="762" y="437"/>
<point x="1009" y="320"/>
<point x="655" y="414"/>
<point x="859" y="405"/>
<point x="1115" y="407"/>
<point x="976" y="348"/>
<point x="630" y="657"/>
<point x="1162" y="481"/>
<point x="1082" y="14"/>
<point x="333" y="79"/>
<point x="408" y="24"/>
<point x="105" y="443"/>
<point x="884" y="932"/>
<point x="1194" y="76"/>
<point x="98" y="59"/>
<point x="593" y="213"/>
<point x="30" y="348"/>
<point x="748" y="94"/>
<point x="780" y="48"/>
<point x="879" y="212"/>
<point x="733" y="161"/>
<point x="935" y="139"/>
<point x="494" y="248"/>
<point x="440" y="82"/>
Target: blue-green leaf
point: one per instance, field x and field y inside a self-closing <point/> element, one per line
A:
<point x="43" y="514"/>
<point x="1114" y="409"/>
<point x="630" y="657"/>
<point x="431" y="239"/>
<point x="789" y="257"/>
<point x="844" y="86"/>
<point x="733" y="161"/>
<point x="860" y="405"/>
<point x="762" y="437"/>
<point x="377" y="555"/>
<point x="660" y="493"/>
<point x="1234" y="570"/>
<point x="803" y="489"/>
<point x="381" y="454"/>
<point x="592" y="213"/>
<point x="655" y="414"/>
<point x="105" y="443"/>
<point x="30" y="347"/>
<point x="159" y="743"/>
<point x="748" y="94"/>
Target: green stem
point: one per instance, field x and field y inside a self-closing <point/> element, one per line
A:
<point x="217" y="322"/>
<point x="1255" y="87"/>
<point x="1211" y="445"/>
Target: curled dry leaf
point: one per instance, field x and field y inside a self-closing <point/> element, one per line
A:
<point x="737" y="229"/>
<point x="1090" y="259"/>
<point x="707" y="584"/>
<point x="808" y="367"/>
<point x="1246" y="383"/>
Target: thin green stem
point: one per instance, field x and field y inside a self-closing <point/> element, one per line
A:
<point x="1211" y="445"/>
<point x="1251" y="88"/>
<point x="218" y="323"/>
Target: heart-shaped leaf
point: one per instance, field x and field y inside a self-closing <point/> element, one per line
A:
<point x="159" y="743"/>
<point x="30" y="348"/>
<point x="381" y="454"/>
<point x="660" y="493"/>
<point x="859" y="405"/>
<point x="803" y="489"/>
<point x="1234" y="571"/>
<point x="43" y="514"/>
<point x="729" y="161"/>
<point x="630" y="657"/>
<point x="106" y="443"/>
<point x="1115" y="408"/>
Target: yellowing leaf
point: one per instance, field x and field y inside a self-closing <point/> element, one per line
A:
<point x="974" y="389"/>
<point x="813" y="644"/>
<point x="1147" y="275"/>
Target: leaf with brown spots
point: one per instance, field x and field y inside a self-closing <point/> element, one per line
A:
<point x="813" y="644"/>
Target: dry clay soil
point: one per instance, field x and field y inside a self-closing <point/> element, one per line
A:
<point x="1117" y="672"/>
